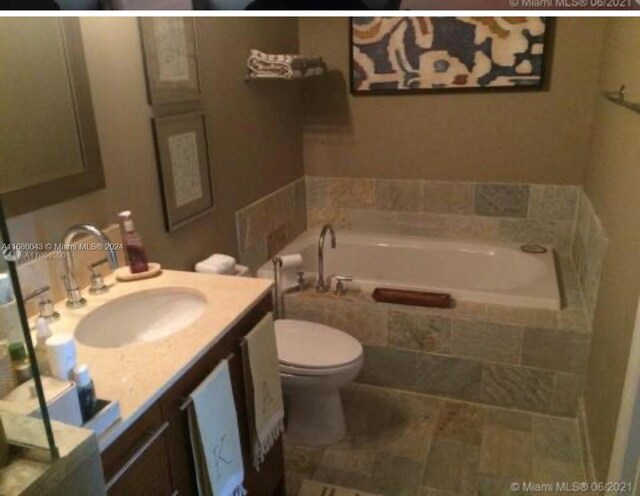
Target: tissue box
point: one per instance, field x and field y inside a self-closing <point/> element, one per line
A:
<point x="107" y="414"/>
<point x="61" y="398"/>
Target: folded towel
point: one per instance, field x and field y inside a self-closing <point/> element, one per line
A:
<point x="288" y="66"/>
<point x="217" y="264"/>
<point x="264" y="389"/>
<point x="213" y="425"/>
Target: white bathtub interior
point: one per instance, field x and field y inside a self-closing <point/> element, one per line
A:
<point x="468" y="270"/>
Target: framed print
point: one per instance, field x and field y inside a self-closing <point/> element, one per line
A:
<point x="170" y="59"/>
<point x="183" y="165"/>
<point x="394" y="55"/>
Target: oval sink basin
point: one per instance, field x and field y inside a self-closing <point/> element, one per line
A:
<point x="140" y="317"/>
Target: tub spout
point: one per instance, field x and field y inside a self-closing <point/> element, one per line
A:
<point x="321" y="285"/>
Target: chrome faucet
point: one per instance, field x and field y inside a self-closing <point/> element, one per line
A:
<point x="74" y="296"/>
<point x="321" y="285"/>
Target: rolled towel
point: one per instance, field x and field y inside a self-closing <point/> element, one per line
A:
<point x="288" y="66"/>
<point x="217" y="264"/>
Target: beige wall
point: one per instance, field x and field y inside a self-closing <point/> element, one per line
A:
<point x="254" y="137"/>
<point x="534" y="137"/>
<point x="612" y="184"/>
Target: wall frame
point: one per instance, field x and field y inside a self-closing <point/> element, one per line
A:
<point x="183" y="166"/>
<point x="414" y="55"/>
<point x="170" y="59"/>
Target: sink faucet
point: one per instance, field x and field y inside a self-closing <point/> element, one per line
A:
<point x="74" y="296"/>
<point x="321" y="285"/>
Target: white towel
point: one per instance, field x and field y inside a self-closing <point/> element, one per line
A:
<point x="217" y="264"/>
<point x="215" y="437"/>
<point x="264" y="389"/>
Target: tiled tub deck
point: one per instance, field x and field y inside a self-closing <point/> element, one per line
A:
<point x="525" y="359"/>
<point x="408" y="444"/>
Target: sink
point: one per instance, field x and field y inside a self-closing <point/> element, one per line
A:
<point x="140" y="317"/>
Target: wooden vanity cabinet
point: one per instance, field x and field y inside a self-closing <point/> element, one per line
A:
<point x="166" y="466"/>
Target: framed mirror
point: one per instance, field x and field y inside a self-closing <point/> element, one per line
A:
<point x="50" y="150"/>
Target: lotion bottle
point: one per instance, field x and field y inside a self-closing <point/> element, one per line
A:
<point x="134" y="248"/>
<point x="86" y="391"/>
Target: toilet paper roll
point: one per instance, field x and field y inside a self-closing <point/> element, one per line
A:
<point x="291" y="261"/>
<point x="61" y="353"/>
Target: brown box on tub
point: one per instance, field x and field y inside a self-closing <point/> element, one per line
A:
<point x="417" y="298"/>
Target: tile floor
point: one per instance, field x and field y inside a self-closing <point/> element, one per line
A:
<point x="406" y="444"/>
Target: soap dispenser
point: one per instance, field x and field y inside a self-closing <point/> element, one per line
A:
<point x="136" y="254"/>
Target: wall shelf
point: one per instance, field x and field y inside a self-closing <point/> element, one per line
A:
<point x="618" y="98"/>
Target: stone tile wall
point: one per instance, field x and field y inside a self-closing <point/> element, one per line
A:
<point x="526" y="359"/>
<point x="531" y="360"/>
<point x="269" y="224"/>
<point x="589" y="249"/>
<point x="497" y="212"/>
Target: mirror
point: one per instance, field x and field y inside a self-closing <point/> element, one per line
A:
<point x="50" y="151"/>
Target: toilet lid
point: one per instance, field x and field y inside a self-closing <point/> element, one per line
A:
<point x="310" y="345"/>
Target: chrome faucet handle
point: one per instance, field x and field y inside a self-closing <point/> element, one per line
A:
<point x="98" y="285"/>
<point x="340" y="286"/>
<point x="45" y="305"/>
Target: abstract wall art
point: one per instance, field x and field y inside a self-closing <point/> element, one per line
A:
<point x="430" y="54"/>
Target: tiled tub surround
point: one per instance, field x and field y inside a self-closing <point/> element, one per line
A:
<point x="526" y="359"/>
<point x="512" y="213"/>
<point x="270" y="223"/>
<point x="589" y="249"/>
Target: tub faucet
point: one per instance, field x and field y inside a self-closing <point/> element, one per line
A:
<point x="74" y="296"/>
<point x="321" y="285"/>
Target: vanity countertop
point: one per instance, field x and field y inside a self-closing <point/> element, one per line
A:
<point x="138" y="374"/>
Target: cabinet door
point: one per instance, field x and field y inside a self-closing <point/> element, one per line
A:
<point x="137" y="464"/>
<point x="146" y="473"/>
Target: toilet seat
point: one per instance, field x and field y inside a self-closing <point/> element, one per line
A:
<point x="307" y="348"/>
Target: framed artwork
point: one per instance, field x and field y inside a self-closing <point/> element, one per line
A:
<point x="394" y="55"/>
<point x="170" y="59"/>
<point x="183" y="166"/>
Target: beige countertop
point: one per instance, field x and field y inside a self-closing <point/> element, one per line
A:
<point x="138" y="374"/>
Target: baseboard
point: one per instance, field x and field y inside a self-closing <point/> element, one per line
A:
<point x="586" y="444"/>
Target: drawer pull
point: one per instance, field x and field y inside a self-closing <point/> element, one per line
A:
<point x="136" y="456"/>
<point x="187" y="402"/>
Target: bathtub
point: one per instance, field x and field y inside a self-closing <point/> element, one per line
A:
<point x="479" y="272"/>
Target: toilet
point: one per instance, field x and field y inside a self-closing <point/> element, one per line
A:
<point x="316" y="361"/>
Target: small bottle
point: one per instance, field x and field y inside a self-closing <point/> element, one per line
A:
<point x="136" y="254"/>
<point x="42" y="334"/>
<point x="20" y="363"/>
<point x="86" y="391"/>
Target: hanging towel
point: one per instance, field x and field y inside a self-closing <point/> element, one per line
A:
<point x="213" y="426"/>
<point x="264" y="389"/>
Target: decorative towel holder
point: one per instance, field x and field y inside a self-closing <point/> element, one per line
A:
<point x="618" y="97"/>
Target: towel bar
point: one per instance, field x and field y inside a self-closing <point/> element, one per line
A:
<point x="187" y="402"/>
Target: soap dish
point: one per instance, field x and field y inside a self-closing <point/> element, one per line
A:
<point x="124" y="274"/>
